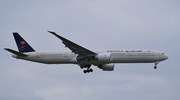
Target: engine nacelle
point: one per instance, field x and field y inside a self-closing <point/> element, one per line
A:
<point x="104" y="57"/>
<point x="107" y="67"/>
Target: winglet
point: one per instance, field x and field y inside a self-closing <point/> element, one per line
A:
<point x="60" y="37"/>
<point x="64" y="40"/>
<point x="15" y="52"/>
<point x="51" y="32"/>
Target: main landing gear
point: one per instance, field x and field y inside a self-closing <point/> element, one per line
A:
<point x="155" y="66"/>
<point x="88" y="69"/>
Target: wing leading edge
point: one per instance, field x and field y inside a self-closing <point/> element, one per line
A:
<point x="77" y="49"/>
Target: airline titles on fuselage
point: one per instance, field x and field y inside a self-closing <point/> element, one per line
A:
<point x="124" y="50"/>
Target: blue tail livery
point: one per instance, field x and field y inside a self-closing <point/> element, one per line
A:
<point x="22" y="45"/>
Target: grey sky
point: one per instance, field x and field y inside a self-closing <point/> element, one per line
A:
<point x="94" y="24"/>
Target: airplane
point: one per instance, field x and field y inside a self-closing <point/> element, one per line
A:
<point x="85" y="58"/>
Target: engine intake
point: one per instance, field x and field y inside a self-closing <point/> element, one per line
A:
<point x="104" y="57"/>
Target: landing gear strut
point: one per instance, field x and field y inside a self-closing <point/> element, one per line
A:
<point x="155" y="66"/>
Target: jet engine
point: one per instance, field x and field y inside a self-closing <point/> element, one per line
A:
<point x="104" y="57"/>
<point x="107" y="67"/>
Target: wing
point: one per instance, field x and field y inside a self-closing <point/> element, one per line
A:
<point x="77" y="49"/>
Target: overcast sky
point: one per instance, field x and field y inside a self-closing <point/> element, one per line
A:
<point x="94" y="24"/>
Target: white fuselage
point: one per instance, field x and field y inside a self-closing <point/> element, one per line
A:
<point x="115" y="56"/>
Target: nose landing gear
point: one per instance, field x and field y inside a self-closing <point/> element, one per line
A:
<point x="155" y="66"/>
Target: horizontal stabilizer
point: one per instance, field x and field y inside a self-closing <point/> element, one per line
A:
<point x="15" y="52"/>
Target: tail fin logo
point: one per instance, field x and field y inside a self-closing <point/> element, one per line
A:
<point x="22" y="45"/>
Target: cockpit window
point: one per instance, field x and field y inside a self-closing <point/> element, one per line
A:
<point x="162" y="53"/>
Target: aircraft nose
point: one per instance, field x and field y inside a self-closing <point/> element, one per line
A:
<point x="165" y="57"/>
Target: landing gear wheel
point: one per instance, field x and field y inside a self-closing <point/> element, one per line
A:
<point x="155" y="67"/>
<point x="84" y="71"/>
<point x="87" y="71"/>
<point x="81" y="67"/>
<point x="87" y="66"/>
<point x="91" y="70"/>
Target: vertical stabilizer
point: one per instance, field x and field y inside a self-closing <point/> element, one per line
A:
<point x="22" y="45"/>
